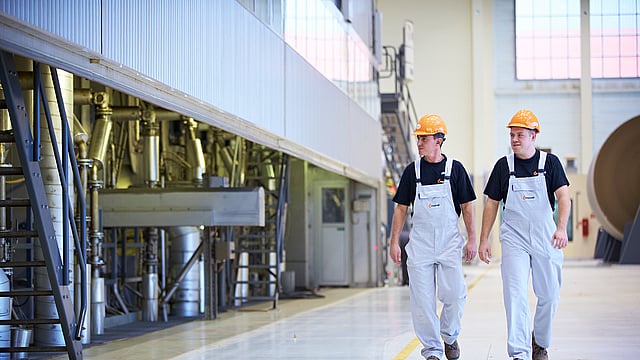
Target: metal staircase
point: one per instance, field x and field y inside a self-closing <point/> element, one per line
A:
<point x="398" y="119"/>
<point x="259" y="250"/>
<point x="57" y="266"/>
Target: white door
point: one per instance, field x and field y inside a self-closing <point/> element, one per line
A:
<point x="332" y="245"/>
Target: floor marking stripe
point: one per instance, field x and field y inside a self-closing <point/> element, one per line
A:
<point x="413" y="344"/>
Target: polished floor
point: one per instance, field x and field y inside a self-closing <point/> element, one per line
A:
<point x="598" y="318"/>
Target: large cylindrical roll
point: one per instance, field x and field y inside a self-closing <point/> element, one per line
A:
<point x="613" y="182"/>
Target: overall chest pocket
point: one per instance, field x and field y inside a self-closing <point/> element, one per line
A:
<point x="525" y="189"/>
<point x="431" y="192"/>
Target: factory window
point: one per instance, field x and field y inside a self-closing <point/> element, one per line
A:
<point x="548" y="39"/>
<point x="333" y="205"/>
<point x="268" y="11"/>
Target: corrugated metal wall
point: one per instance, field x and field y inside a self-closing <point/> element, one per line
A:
<point x="230" y="65"/>
<point x="215" y="51"/>
<point x="75" y="21"/>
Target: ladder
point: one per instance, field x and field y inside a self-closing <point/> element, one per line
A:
<point x="398" y="118"/>
<point x="28" y="149"/>
<point x="259" y="251"/>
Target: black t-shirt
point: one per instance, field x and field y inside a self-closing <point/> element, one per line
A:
<point x="433" y="173"/>
<point x="498" y="184"/>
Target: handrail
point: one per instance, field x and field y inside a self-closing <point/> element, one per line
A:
<point x="68" y="214"/>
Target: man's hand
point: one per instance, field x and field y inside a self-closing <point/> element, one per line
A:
<point x="484" y="251"/>
<point x="470" y="250"/>
<point x="560" y="239"/>
<point x="394" y="252"/>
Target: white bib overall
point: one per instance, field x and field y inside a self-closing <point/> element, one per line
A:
<point x="434" y="252"/>
<point x="527" y="231"/>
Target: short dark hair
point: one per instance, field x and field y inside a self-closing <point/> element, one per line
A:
<point x="439" y="136"/>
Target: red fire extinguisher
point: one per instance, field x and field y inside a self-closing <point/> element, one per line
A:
<point x="585" y="227"/>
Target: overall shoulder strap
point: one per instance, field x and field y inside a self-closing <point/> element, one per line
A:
<point x="447" y="169"/>
<point x="511" y="164"/>
<point x="541" y="162"/>
<point x="417" y="167"/>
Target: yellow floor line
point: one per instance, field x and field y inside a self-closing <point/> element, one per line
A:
<point x="413" y="344"/>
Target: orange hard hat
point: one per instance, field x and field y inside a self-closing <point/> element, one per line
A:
<point x="430" y="125"/>
<point x="525" y="119"/>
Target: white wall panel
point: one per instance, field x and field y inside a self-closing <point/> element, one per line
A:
<point x="215" y="51"/>
<point x="328" y="122"/>
<point x="364" y="141"/>
<point x="212" y="60"/>
<point x="77" y="21"/>
<point x="315" y="118"/>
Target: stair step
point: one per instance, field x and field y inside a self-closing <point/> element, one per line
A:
<point x="14" y="264"/>
<point x="249" y="298"/>
<point x="260" y="266"/>
<point x="19" y="234"/>
<point x="15" y="202"/>
<point x="256" y="282"/>
<point x="14" y="170"/>
<point x="253" y="236"/>
<point x="34" y="349"/>
<point x="256" y="251"/>
<point x="29" y="321"/>
<point x="26" y="293"/>
<point x="7" y="136"/>
<point x="252" y="177"/>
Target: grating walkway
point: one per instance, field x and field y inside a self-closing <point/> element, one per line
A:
<point x="598" y="318"/>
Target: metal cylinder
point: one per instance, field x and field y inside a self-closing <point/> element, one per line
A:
<point x="151" y="153"/>
<point x="151" y="158"/>
<point x="150" y="297"/>
<point x="186" y="299"/>
<point x="195" y="157"/>
<point x="99" y="144"/>
<point x="45" y="307"/>
<point x="612" y="181"/>
<point x="98" y="309"/>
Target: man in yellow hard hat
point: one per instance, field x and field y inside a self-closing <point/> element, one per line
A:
<point x="439" y="189"/>
<point x="528" y="182"/>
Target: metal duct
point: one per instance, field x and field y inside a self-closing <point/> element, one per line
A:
<point x="612" y="181"/>
<point x="101" y="132"/>
<point x="184" y="241"/>
<point x="195" y="156"/>
<point x="45" y="306"/>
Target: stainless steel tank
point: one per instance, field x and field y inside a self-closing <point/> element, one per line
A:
<point x="613" y="180"/>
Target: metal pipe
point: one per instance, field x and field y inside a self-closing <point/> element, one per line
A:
<point x="150" y="277"/>
<point x="96" y="237"/>
<point x="195" y="155"/>
<point x="101" y="129"/>
<point x="151" y="154"/>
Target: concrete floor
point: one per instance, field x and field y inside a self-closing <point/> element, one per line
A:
<point x="598" y="318"/>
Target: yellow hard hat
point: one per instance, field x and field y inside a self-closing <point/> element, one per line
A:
<point x="525" y="119"/>
<point x="429" y="125"/>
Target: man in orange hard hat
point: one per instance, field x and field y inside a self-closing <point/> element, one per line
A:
<point x="528" y="182"/>
<point x="439" y="189"/>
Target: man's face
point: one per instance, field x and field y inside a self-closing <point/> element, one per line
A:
<point x="427" y="144"/>
<point x="522" y="140"/>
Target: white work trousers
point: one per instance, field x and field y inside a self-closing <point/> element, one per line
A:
<point x="434" y="256"/>
<point x="527" y="233"/>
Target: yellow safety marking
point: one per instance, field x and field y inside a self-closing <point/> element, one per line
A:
<point x="413" y="344"/>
